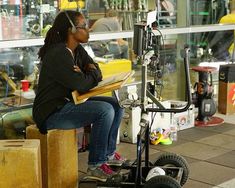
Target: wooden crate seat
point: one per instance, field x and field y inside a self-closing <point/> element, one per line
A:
<point x="59" y="157"/>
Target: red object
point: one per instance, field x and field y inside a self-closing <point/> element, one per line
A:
<point x="204" y="69"/>
<point x="21" y="8"/>
<point x="231" y="96"/>
<point x="25" y="85"/>
<point x="213" y="121"/>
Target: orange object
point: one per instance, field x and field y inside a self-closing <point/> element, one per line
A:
<point x="25" y="85"/>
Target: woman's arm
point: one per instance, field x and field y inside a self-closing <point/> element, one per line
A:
<point x="87" y="62"/>
<point x="60" y="66"/>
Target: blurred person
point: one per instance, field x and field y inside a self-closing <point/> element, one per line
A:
<point x="65" y="67"/>
<point x="222" y="42"/>
<point x="118" y="47"/>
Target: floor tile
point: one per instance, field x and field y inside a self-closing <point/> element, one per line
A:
<point x="196" y="184"/>
<point x="189" y="159"/>
<point x="231" y="132"/>
<point x="211" y="173"/>
<point x="227" y="118"/>
<point x="226" y="159"/>
<point x="197" y="150"/>
<point x="129" y="151"/>
<point x="82" y="161"/>
<point x="220" y="140"/>
<point x="222" y="128"/>
<point x="228" y="184"/>
<point x="194" y="134"/>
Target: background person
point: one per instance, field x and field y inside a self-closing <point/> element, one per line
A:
<point x="118" y="47"/>
<point x="222" y="42"/>
<point x="66" y="66"/>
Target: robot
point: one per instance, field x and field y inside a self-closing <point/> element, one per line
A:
<point x="169" y="170"/>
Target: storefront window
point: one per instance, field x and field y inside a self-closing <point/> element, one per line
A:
<point x="23" y="25"/>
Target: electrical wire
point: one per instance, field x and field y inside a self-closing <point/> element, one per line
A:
<point x="6" y="95"/>
<point x="153" y="115"/>
<point x="159" y="91"/>
<point x="7" y="84"/>
<point x="137" y="166"/>
<point x="163" y="45"/>
<point x="2" y="124"/>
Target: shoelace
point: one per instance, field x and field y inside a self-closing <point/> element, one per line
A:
<point x="106" y="169"/>
<point x="117" y="156"/>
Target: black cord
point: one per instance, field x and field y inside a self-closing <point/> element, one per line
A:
<point x="7" y="84"/>
<point x="163" y="44"/>
<point x="159" y="92"/>
<point x="138" y="165"/>
<point x="2" y="124"/>
<point x="152" y="120"/>
<point x="20" y="99"/>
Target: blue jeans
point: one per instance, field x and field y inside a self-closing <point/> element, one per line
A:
<point x="104" y="113"/>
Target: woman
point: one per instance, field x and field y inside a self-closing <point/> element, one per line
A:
<point x="66" y="66"/>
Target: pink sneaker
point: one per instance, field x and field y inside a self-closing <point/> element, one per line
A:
<point x="101" y="173"/>
<point x="116" y="160"/>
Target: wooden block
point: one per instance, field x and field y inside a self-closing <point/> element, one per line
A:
<point x="222" y="98"/>
<point x="20" y="164"/>
<point x="59" y="157"/>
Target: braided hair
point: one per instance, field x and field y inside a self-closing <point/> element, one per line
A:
<point x="59" y="31"/>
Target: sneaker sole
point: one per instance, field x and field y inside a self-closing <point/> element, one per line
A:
<point x="94" y="178"/>
<point x="112" y="164"/>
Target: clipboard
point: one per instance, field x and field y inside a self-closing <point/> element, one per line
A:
<point x="108" y="84"/>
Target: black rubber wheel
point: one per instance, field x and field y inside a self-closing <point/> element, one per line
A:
<point x="162" y="182"/>
<point x="174" y="160"/>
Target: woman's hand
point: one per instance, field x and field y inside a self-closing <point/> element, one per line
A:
<point x="76" y="69"/>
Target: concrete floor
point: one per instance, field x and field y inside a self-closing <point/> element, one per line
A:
<point x="209" y="152"/>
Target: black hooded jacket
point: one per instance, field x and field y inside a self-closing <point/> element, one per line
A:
<point x="58" y="79"/>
